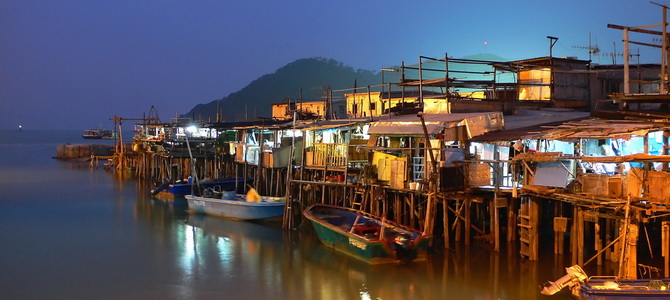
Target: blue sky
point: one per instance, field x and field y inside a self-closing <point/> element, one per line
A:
<point x="75" y="64"/>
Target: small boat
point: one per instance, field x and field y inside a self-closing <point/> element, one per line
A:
<point x="237" y="206"/>
<point x="611" y="288"/>
<point x="365" y="236"/>
<point x="607" y="287"/>
<point x="182" y="188"/>
<point x="98" y="133"/>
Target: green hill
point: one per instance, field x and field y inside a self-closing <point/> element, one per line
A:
<point x="310" y="74"/>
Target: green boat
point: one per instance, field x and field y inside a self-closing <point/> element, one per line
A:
<point x="366" y="236"/>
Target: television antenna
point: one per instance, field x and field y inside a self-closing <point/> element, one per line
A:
<point x="594" y="50"/>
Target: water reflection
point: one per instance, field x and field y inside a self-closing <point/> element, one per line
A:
<point x="68" y="232"/>
<point x="269" y="263"/>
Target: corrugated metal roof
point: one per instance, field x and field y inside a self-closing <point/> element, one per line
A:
<point x="530" y="124"/>
<point x="435" y="123"/>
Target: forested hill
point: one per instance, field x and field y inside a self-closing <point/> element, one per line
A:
<point x="310" y="74"/>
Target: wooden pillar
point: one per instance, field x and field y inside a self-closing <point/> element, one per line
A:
<point x="560" y="227"/>
<point x="665" y="247"/>
<point x="511" y="220"/>
<point x="412" y="213"/>
<point x="629" y="263"/>
<point x="535" y="232"/>
<point x="445" y="221"/>
<point x="573" y="235"/>
<point x="598" y="241"/>
<point x="608" y="238"/>
<point x="468" y="204"/>
<point x="496" y="232"/>
<point x="580" y="236"/>
<point x="616" y="250"/>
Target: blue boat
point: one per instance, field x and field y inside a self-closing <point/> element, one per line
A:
<point x="607" y="287"/>
<point x="365" y="236"/>
<point x="185" y="188"/>
<point x="236" y="206"/>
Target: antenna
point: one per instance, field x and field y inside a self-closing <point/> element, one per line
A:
<point x="594" y="50"/>
<point x="615" y="54"/>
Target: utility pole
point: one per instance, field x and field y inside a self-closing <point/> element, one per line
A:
<point x="552" y="42"/>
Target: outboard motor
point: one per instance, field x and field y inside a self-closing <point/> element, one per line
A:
<point x="403" y="250"/>
<point x="575" y="276"/>
<point x="163" y="186"/>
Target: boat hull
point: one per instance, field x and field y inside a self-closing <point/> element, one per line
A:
<point x="628" y="289"/>
<point x="369" y="248"/>
<point x="269" y="207"/>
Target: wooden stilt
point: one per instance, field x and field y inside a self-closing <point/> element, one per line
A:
<point x="598" y="242"/>
<point x="560" y="227"/>
<point x="573" y="236"/>
<point x="608" y="238"/>
<point x="629" y="259"/>
<point x="665" y="247"/>
<point x="445" y="221"/>
<point x="511" y="220"/>
<point x="468" y="204"/>
<point x="496" y="225"/>
<point x="580" y="236"/>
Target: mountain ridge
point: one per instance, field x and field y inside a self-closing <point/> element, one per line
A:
<point x="314" y="75"/>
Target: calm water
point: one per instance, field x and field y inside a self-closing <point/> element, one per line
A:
<point x="68" y="232"/>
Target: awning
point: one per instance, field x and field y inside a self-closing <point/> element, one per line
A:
<point x="474" y="123"/>
<point x="329" y="124"/>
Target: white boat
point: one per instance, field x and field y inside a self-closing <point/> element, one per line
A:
<point x="237" y="206"/>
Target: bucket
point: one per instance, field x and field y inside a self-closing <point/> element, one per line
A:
<point x="228" y="195"/>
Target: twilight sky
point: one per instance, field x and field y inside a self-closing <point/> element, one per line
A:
<point x="74" y="64"/>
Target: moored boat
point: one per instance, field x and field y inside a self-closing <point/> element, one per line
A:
<point x="607" y="287"/>
<point x="365" y="236"/>
<point x="236" y="206"/>
<point x="183" y="188"/>
<point x="604" y="288"/>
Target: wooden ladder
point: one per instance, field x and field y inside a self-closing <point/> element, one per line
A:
<point x="360" y="199"/>
<point x="528" y="228"/>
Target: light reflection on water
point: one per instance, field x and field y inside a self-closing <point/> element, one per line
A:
<point x="69" y="232"/>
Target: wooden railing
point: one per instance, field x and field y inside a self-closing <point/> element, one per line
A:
<point x="327" y="155"/>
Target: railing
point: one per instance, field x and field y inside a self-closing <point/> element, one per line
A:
<point x="327" y="155"/>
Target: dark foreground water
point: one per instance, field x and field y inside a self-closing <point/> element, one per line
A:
<point x="69" y="232"/>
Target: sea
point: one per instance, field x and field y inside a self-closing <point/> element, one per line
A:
<point x="72" y="231"/>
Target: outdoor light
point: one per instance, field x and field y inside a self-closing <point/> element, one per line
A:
<point x="192" y="129"/>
